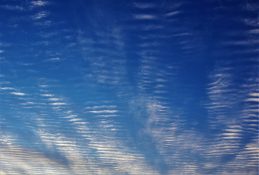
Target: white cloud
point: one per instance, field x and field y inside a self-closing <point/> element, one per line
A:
<point x="18" y="93"/>
<point x="173" y="13"/>
<point x="39" y="3"/>
<point x="142" y="5"/>
<point x="145" y="16"/>
<point x="40" y="15"/>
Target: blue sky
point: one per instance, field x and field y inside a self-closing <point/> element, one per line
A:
<point x="129" y="87"/>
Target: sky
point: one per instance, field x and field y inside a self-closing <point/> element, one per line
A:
<point x="129" y="87"/>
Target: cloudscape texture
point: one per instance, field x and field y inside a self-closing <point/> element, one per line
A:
<point x="133" y="87"/>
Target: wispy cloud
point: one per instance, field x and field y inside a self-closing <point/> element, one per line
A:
<point x="142" y="5"/>
<point x="18" y="93"/>
<point x="39" y="3"/>
<point x="40" y="15"/>
<point x="145" y="17"/>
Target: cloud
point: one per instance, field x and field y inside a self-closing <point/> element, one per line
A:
<point x="173" y="13"/>
<point x="98" y="151"/>
<point x="18" y="93"/>
<point x="12" y="7"/>
<point x="145" y="17"/>
<point x="141" y="5"/>
<point x="39" y="3"/>
<point x="40" y="15"/>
